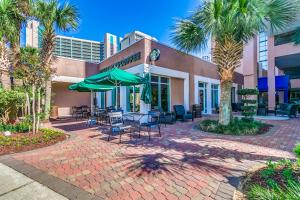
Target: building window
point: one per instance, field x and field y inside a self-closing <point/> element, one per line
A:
<point x="262" y="54"/>
<point x="133" y="99"/>
<point x="233" y="92"/>
<point x="160" y="93"/>
<point x="284" y="38"/>
<point x="215" y="96"/>
<point x="203" y="95"/>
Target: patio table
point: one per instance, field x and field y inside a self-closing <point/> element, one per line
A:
<point x="135" y="117"/>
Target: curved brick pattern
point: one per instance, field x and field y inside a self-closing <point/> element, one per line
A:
<point x="184" y="164"/>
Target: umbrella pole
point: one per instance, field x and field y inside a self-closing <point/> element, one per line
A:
<point x="116" y="96"/>
<point x="92" y="99"/>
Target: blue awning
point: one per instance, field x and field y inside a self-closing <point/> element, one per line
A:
<point x="281" y="83"/>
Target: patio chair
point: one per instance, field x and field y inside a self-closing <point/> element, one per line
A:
<point x="117" y="124"/>
<point x="286" y="109"/>
<point x="152" y="122"/>
<point x="85" y="111"/>
<point x="180" y="113"/>
<point x="77" y="112"/>
<point x="262" y="109"/>
<point x="165" y="117"/>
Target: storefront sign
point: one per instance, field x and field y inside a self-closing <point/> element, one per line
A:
<point x="154" y="55"/>
<point x="125" y="61"/>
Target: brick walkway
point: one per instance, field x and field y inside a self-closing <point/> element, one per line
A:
<point x="184" y="164"/>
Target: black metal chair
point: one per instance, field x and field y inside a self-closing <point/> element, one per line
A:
<point x="152" y="122"/>
<point x="182" y="114"/>
<point x="85" y="111"/>
<point x="165" y="117"/>
<point x="77" y="112"/>
<point x="117" y="124"/>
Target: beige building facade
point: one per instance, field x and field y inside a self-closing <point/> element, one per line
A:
<point x="271" y="63"/>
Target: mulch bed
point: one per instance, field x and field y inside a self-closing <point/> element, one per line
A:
<point x="13" y="149"/>
<point x="266" y="128"/>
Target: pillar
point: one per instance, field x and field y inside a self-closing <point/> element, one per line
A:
<point x="271" y="75"/>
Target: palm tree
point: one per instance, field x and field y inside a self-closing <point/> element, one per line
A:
<point x="13" y="14"/>
<point x="231" y="23"/>
<point x="53" y="16"/>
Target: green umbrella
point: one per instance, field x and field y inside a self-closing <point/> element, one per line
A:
<point x="114" y="77"/>
<point x="147" y="93"/>
<point x="84" y="87"/>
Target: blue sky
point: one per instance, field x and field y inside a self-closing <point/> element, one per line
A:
<point x="153" y="17"/>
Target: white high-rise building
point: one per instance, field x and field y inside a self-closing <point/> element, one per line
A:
<point x="133" y="37"/>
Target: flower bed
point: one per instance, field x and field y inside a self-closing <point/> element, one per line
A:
<point x="278" y="180"/>
<point x="236" y="127"/>
<point x="24" y="141"/>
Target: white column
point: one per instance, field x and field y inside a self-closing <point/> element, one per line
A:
<point x="208" y="98"/>
<point x="98" y="98"/>
<point x="109" y="95"/>
<point x="186" y="93"/>
<point x="123" y="98"/>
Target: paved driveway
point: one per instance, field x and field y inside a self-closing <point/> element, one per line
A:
<point x="184" y="163"/>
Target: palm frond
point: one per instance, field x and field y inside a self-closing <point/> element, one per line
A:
<point x="188" y="36"/>
<point x="280" y="13"/>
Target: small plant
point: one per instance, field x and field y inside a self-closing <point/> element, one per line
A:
<point x="249" y="105"/>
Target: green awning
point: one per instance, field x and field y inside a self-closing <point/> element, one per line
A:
<point x="114" y="77"/>
<point x="84" y="87"/>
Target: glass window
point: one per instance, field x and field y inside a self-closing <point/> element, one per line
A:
<point x="215" y="96"/>
<point x="160" y="93"/>
<point x="134" y="99"/>
<point x="203" y="96"/>
<point x="233" y="95"/>
<point x="154" y="79"/>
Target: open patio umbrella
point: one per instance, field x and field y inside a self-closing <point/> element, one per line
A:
<point x="147" y="93"/>
<point x="114" y="77"/>
<point x="84" y="87"/>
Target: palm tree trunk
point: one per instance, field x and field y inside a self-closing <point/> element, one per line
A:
<point x="225" y="103"/>
<point x="227" y="56"/>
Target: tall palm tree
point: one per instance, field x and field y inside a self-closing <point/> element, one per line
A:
<point x="53" y="16"/>
<point x="13" y="14"/>
<point x="231" y="23"/>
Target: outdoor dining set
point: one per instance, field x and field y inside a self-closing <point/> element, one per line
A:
<point x="114" y="116"/>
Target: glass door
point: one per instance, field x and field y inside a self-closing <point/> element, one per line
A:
<point x="203" y="96"/>
<point x="133" y="99"/>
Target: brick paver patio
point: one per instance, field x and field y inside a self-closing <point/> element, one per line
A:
<point x="184" y="164"/>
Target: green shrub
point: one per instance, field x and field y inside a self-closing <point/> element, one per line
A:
<point x="236" y="127"/>
<point x="50" y="134"/>
<point x="249" y="107"/>
<point x="21" y="127"/>
<point x="10" y="103"/>
<point x="291" y="192"/>
<point x="297" y="150"/>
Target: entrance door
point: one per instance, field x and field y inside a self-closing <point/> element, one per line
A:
<point x="203" y="96"/>
<point x="133" y="99"/>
